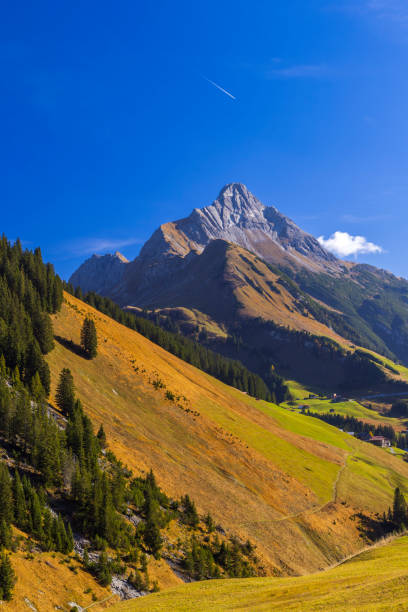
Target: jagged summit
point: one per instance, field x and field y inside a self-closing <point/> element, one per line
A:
<point x="236" y="216"/>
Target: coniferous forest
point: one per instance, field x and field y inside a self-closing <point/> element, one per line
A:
<point x="29" y="292"/>
<point x="59" y="478"/>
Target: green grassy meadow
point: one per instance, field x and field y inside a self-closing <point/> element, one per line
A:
<point x="372" y="581"/>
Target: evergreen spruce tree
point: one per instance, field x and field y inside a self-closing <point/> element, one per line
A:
<point x="37" y="390"/>
<point x="103" y="570"/>
<point x="43" y="332"/>
<point x="101" y="435"/>
<point x="7" y="578"/>
<point x="209" y="523"/>
<point x="5" y="534"/>
<point x="36" y="515"/>
<point x="399" y="511"/>
<point x="89" y="340"/>
<point x="65" y="396"/>
<point x="70" y="539"/>
<point x="47" y="540"/>
<point x="152" y="538"/>
<point x="6" y="495"/>
<point x="56" y="535"/>
<point x="66" y="546"/>
<point x="3" y="369"/>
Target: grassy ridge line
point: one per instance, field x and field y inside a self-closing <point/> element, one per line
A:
<point x="374" y="580"/>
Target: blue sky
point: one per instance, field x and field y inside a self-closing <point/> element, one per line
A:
<point x="111" y="126"/>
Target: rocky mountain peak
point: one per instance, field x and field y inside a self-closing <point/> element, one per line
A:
<point x="236" y="216"/>
<point x="235" y="205"/>
<point x="236" y="196"/>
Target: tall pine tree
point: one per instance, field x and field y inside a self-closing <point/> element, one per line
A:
<point x="65" y="396"/>
<point x="7" y="578"/>
<point x="89" y="340"/>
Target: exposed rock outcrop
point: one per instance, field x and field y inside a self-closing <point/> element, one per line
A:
<point x="100" y="273"/>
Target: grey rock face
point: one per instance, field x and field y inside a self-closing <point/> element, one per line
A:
<point x="236" y="216"/>
<point x="100" y="272"/>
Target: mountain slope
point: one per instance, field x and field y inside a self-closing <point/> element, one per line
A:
<point x="374" y="580"/>
<point x="184" y="265"/>
<point x="274" y="477"/>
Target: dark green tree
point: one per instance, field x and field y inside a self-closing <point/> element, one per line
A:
<point x="89" y="340"/>
<point x="101" y="435"/>
<point x="7" y="578"/>
<point x="65" y="396"/>
<point x="399" y="509"/>
<point x="5" y="534"/>
<point x="209" y="523"/>
<point x="6" y="495"/>
<point x="189" y="514"/>
<point x="103" y="570"/>
<point x="152" y="538"/>
<point x="43" y="332"/>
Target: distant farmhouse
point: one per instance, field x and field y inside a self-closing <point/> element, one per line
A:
<point x="336" y="399"/>
<point x="378" y="441"/>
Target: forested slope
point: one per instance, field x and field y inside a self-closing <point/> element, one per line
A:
<point x="265" y="474"/>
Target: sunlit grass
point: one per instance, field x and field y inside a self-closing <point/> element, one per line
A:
<point x="375" y="580"/>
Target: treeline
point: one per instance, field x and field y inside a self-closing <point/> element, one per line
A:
<point x="349" y="423"/>
<point x="29" y="292"/>
<point x="227" y="370"/>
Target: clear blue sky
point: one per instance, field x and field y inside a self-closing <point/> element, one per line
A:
<point x="109" y="128"/>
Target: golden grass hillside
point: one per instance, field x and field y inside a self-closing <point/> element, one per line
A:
<point x="289" y="483"/>
<point x="373" y="581"/>
<point x="51" y="581"/>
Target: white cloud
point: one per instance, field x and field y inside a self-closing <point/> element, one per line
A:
<point x="343" y="244"/>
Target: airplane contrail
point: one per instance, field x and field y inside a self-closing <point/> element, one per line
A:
<point x="220" y="88"/>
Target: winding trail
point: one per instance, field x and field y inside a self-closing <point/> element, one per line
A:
<point x="314" y="509"/>
<point x="97" y="603"/>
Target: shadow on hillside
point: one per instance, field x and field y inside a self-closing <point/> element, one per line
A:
<point x="70" y="345"/>
<point x="372" y="528"/>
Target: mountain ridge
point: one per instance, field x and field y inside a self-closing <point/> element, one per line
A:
<point x="268" y="269"/>
<point x="236" y="216"/>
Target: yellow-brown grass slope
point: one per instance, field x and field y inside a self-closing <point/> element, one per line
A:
<point x="375" y="580"/>
<point x="289" y="483"/>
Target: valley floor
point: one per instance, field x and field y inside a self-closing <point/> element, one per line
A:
<point x="372" y="581"/>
